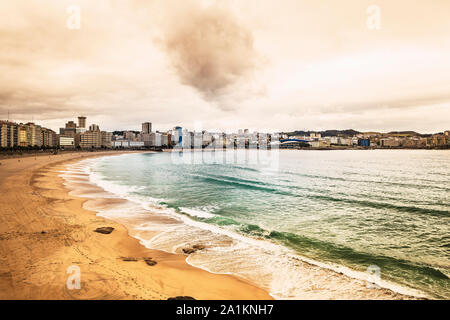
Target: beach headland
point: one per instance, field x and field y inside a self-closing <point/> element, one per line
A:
<point x="45" y="233"/>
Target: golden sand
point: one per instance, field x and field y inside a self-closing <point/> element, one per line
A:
<point x="44" y="231"/>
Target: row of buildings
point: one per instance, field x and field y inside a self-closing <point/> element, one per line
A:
<point x="366" y="140"/>
<point x="145" y="138"/>
<point x="25" y="135"/>
<point x="183" y="138"/>
<point x="75" y="135"/>
<point x="13" y="135"/>
<point x="408" y="140"/>
<point x="78" y="135"/>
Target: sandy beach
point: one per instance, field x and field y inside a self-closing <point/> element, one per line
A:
<point x="47" y="226"/>
<point x="44" y="230"/>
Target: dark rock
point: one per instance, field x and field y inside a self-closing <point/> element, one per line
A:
<point x="188" y="250"/>
<point x="181" y="298"/>
<point x="194" y="248"/>
<point x="129" y="259"/>
<point x="43" y="232"/>
<point x="150" y="262"/>
<point x="198" y="247"/>
<point x="104" y="230"/>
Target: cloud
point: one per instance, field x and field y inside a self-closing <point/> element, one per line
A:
<point x="285" y="64"/>
<point x="210" y="49"/>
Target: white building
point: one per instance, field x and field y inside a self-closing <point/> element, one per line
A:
<point x="66" y="142"/>
<point x="121" y="144"/>
<point x="345" y="141"/>
<point x="128" y="144"/>
<point x="136" y="144"/>
<point x="334" y="140"/>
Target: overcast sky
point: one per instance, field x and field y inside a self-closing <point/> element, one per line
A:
<point x="257" y="64"/>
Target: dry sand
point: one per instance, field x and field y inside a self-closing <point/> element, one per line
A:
<point x="44" y="230"/>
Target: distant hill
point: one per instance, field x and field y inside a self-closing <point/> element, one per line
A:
<point x="333" y="133"/>
<point x="326" y="133"/>
<point x="404" y="133"/>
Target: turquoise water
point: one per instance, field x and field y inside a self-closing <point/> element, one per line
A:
<point x="356" y="208"/>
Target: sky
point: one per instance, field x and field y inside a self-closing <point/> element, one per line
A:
<point x="266" y="65"/>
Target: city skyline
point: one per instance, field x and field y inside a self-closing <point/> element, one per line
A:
<point x="78" y="135"/>
<point x="299" y="66"/>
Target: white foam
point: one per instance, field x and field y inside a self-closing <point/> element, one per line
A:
<point x="197" y="213"/>
<point x="274" y="267"/>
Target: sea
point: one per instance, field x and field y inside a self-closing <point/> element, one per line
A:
<point x="295" y="222"/>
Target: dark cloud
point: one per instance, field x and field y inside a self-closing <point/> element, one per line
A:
<point x="210" y="49"/>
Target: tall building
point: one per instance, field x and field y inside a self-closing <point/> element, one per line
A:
<point x="148" y="139"/>
<point x="70" y="129"/>
<point x="48" y="137"/>
<point x="22" y="132"/>
<point x="37" y="136"/>
<point x="177" y="136"/>
<point x="94" y="138"/>
<point x="9" y="134"/>
<point x="71" y="125"/>
<point x="31" y="133"/>
<point x="147" y="127"/>
<point x="81" y="122"/>
<point x="129" y="135"/>
<point x="94" y="127"/>
<point x="91" y="139"/>
<point x="106" y="139"/>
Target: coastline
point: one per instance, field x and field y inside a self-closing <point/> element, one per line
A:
<point x="105" y="275"/>
<point x="44" y="230"/>
<point x="331" y="282"/>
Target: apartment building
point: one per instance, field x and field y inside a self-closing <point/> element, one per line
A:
<point x="9" y="134"/>
<point x="91" y="139"/>
<point x="106" y="139"/>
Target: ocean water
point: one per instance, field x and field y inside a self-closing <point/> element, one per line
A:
<point x="353" y="211"/>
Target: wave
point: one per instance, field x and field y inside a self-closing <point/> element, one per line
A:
<point x="250" y="241"/>
<point x="383" y="205"/>
<point x="386" y="183"/>
<point x="333" y="252"/>
<point x="259" y="186"/>
<point x="197" y="213"/>
<point x="226" y="182"/>
<point x="246" y="168"/>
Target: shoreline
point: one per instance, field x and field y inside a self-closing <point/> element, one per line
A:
<point x="44" y="230"/>
<point x="341" y="275"/>
<point x="113" y="277"/>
